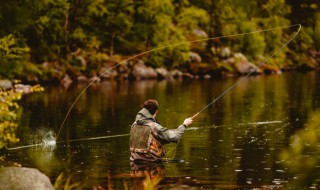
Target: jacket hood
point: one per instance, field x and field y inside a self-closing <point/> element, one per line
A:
<point x="144" y="117"/>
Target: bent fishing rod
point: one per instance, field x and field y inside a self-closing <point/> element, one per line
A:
<point x="173" y="45"/>
<point x="247" y="75"/>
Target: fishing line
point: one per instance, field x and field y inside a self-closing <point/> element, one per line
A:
<point x="163" y="47"/>
<point x="95" y="138"/>
<point x="74" y="140"/>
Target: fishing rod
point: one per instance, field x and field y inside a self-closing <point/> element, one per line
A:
<point x="246" y="76"/>
<point x="160" y="48"/>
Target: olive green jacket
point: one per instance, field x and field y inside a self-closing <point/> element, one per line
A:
<point x="164" y="135"/>
<point x="161" y="134"/>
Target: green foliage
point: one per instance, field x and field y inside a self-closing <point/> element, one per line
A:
<point x="252" y="45"/>
<point x="49" y="31"/>
<point x="190" y="18"/>
<point x="303" y="153"/>
<point x="8" y="116"/>
<point x="65" y="183"/>
<point x="9" y="49"/>
<point x="11" y="56"/>
<point x="39" y="31"/>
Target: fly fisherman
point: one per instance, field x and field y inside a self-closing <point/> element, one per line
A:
<point x="147" y="136"/>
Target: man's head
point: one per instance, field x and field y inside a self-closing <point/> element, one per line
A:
<point x="151" y="105"/>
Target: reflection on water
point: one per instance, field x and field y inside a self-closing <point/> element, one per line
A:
<point x="234" y="144"/>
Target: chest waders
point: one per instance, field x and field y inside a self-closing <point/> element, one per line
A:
<point x="142" y="140"/>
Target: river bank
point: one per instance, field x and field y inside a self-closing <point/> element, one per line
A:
<point x="79" y="68"/>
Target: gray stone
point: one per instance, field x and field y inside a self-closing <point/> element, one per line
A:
<point x="187" y="75"/>
<point x="108" y="73"/>
<point x="140" y="71"/>
<point x="66" y="80"/>
<point x="82" y="79"/>
<point x="207" y="76"/>
<point x="200" y="33"/>
<point x="162" y="72"/>
<point x="95" y="79"/>
<point x="5" y="85"/>
<point x="24" y="89"/>
<point x="242" y="64"/>
<point x="175" y="74"/>
<point x="195" y="57"/>
<point x="225" y="52"/>
<point x="23" y="179"/>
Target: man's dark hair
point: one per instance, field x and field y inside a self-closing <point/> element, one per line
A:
<point x="151" y="105"/>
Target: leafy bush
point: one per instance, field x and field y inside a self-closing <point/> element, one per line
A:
<point x="303" y="154"/>
<point x="8" y="117"/>
<point x="11" y="56"/>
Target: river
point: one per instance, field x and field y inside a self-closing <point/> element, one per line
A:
<point x="234" y="144"/>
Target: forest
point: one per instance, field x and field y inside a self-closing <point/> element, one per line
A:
<point x="49" y="40"/>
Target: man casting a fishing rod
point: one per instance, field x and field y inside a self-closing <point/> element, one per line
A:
<point x="147" y="136"/>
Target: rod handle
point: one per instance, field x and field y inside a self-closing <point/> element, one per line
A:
<point x="195" y="115"/>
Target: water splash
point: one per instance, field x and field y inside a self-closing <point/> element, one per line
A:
<point x="42" y="139"/>
<point x="48" y="140"/>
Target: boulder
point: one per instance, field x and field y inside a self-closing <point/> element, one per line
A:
<point x="242" y="65"/>
<point x="108" y="73"/>
<point x="82" y="79"/>
<point x="23" y="179"/>
<point x="207" y="76"/>
<point x="5" y="85"/>
<point x="162" y="73"/>
<point x="66" y="80"/>
<point x="175" y="74"/>
<point x="24" y="89"/>
<point x="200" y="33"/>
<point x="95" y="79"/>
<point x="225" y="52"/>
<point x="195" y="57"/>
<point x="141" y="71"/>
<point x="187" y="76"/>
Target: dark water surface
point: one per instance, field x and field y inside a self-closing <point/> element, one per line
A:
<point x="234" y="144"/>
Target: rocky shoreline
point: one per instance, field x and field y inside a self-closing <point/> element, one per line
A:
<point x="229" y="65"/>
<point x="17" y="87"/>
<point x="80" y="70"/>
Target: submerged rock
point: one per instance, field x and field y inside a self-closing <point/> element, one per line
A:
<point x="23" y="179"/>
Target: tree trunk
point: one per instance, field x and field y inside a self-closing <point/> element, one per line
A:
<point x="66" y="29"/>
<point x="113" y="35"/>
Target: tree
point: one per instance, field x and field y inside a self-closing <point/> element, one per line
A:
<point x="304" y="49"/>
<point x="119" y="21"/>
<point x="274" y="15"/>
